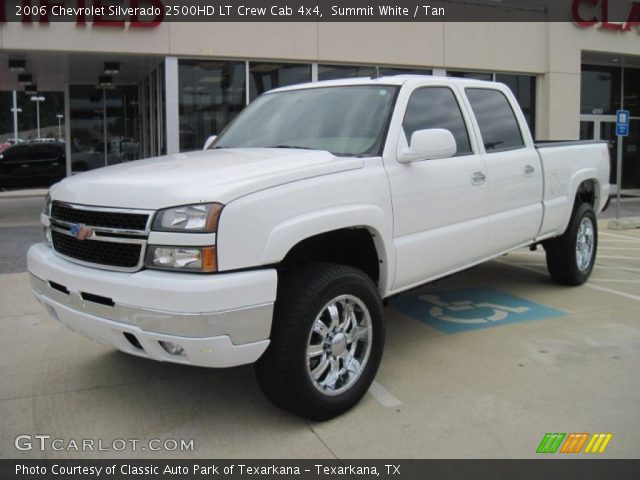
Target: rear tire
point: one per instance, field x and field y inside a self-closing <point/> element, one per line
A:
<point x="570" y="257"/>
<point x="326" y="341"/>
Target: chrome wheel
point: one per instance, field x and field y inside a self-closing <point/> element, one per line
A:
<point x="585" y="241"/>
<point x="339" y="345"/>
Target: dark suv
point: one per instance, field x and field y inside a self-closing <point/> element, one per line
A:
<point x="31" y="165"/>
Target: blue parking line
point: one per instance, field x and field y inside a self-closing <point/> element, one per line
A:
<point x="455" y="311"/>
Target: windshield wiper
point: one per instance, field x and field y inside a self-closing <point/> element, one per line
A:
<point x="291" y="146"/>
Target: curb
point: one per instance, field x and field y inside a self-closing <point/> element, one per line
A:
<point x="624" y="223"/>
<point x="24" y="194"/>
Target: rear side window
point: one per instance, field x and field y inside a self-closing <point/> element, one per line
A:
<point x="436" y="107"/>
<point x="43" y="152"/>
<point x="498" y="125"/>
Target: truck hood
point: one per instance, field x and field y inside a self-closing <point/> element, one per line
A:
<point x="203" y="176"/>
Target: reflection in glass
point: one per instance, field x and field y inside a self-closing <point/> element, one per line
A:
<point x="347" y="121"/>
<point x="50" y="128"/>
<point x="608" y="134"/>
<point x="632" y="91"/>
<point x="333" y="72"/>
<point x="524" y="89"/>
<point x="105" y="126"/>
<point x="600" y="90"/>
<point x="389" y="71"/>
<point x="265" y="76"/>
<point x="472" y="75"/>
<point x="498" y="125"/>
<point x="436" y="107"/>
<point x="212" y="93"/>
<point x="631" y="157"/>
<point x="587" y="130"/>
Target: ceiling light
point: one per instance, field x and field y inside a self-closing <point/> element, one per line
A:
<point x="105" y="80"/>
<point x="25" y="79"/>
<point x="17" y="66"/>
<point x="111" y="68"/>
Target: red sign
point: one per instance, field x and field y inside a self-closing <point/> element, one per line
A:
<point x="99" y="12"/>
<point x="587" y="13"/>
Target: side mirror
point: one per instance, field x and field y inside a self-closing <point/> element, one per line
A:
<point x="429" y="144"/>
<point x="209" y="141"/>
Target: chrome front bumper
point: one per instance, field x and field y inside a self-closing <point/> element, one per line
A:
<point x="242" y="325"/>
<point x="219" y="320"/>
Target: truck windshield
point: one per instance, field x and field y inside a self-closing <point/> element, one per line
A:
<point x="346" y="121"/>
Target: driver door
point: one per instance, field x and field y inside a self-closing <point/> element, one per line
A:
<point x="440" y="206"/>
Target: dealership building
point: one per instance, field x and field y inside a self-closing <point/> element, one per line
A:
<point x="123" y="92"/>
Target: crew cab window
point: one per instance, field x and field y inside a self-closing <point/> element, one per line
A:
<point x="44" y="152"/>
<point x="498" y="125"/>
<point x="436" y="107"/>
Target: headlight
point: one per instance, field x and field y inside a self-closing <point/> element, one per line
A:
<point x="189" y="218"/>
<point x="46" y="208"/>
<point x="186" y="259"/>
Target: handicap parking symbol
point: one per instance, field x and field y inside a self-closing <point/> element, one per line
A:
<point x="469" y="309"/>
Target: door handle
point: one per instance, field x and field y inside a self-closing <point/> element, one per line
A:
<point x="528" y="170"/>
<point x="478" y="178"/>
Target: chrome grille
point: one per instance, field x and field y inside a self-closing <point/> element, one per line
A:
<point x="117" y="242"/>
<point x="114" y="254"/>
<point x="96" y="217"/>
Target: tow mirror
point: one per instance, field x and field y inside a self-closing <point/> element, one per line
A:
<point x="429" y="144"/>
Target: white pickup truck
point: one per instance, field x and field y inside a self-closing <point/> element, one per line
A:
<point x="278" y="243"/>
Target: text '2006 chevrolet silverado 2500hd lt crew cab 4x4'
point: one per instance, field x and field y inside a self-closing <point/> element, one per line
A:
<point x="278" y="243"/>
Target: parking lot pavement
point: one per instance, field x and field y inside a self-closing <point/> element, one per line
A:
<point x="481" y="364"/>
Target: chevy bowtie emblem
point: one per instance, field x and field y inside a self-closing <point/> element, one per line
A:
<point x="80" y="231"/>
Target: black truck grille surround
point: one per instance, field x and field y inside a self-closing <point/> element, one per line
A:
<point x="115" y="254"/>
<point x="95" y="218"/>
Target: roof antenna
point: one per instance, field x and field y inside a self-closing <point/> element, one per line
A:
<point x="377" y="74"/>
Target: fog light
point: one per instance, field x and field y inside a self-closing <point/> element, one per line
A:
<point x="172" y="348"/>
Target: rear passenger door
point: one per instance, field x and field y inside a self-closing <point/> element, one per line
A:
<point x="514" y="170"/>
<point x="440" y="205"/>
<point x="47" y="162"/>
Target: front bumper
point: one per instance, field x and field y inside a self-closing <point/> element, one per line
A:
<point x="219" y="320"/>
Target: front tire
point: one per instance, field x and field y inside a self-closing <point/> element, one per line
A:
<point x="326" y="341"/>
<point x="570" y="257"/>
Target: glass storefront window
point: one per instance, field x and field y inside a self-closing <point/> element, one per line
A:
<point x="472" y="75"/>
<point x="632" y="91"/>
<point x="50" y="108"/>
<point x="333" y="72"/>
<point x="524" y="89"/>
<point x="265" y="76"/>
<point x="105" y="126"/>
<point x="211" y="94"/>
<point x="600" y="90"/>
<point x="388" y="71"/>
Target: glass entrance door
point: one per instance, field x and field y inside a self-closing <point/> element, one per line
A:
<point x="104" y="125"/>
<point x="603" y="127"/>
